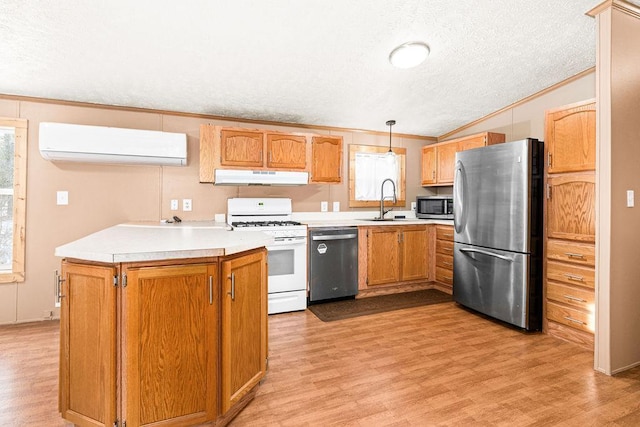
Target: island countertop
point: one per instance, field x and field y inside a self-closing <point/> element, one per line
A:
<point x="149" y="241"/>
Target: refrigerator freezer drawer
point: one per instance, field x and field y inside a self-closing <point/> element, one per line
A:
<point x="496" y="283"/>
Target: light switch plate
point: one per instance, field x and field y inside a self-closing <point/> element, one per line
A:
<point x="413" y="206"/>
<point x="62" y="198"/>
<point x="174" y="204"/>
<point x="630" y="198"/>
<point x="336" y="206"/>
<point x="324" y="206"/>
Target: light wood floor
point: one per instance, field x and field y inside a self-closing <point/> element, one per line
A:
<point x="435" y="365"/>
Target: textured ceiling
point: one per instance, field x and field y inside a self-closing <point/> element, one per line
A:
<point x="321" y="62"/>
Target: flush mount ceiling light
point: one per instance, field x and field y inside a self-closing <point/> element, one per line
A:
<point x="409" y="54"/>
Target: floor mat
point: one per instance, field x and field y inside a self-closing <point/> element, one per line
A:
<point x="330" y="311"/>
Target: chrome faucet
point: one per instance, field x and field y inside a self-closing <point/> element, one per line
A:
<point x="395" y="199"/>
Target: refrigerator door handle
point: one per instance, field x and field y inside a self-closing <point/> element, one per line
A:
<point x="459" y="214"/>
<point x="493" y="254"/>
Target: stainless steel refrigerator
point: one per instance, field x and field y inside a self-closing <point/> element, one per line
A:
<point x="497" y="261"/>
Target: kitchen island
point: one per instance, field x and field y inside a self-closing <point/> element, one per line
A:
<point x="162" y="324"/>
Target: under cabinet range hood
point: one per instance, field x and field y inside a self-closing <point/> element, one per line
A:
<point x="99" y="144"/>
<point x="259" y="177"/>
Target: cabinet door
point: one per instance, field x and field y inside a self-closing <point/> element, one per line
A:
<point x="286" y="151"/>
<point x="571" y="207"/>
<point x="244" y="325"/>
<point x="428" y="165"/>
<point x="472" y="142"/>
<point x="170" y="344"/>
<point x="326" y="159"/>
<point x="241" y="148"/>
<point x="415" y="253"/>
<point x="383" y="262"/>
<point x="570" y="139"/>
<point x="446" y="163"/>
<point x="87" y="387"/>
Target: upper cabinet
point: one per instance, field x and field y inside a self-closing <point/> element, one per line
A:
<point x="237" y="148"/>
<point x="326" y="159"/>
<point x="286" y="151"/>
<point x="570" y="138"/>
<point x="241" y="148"/>
<point x="438" y="160"/>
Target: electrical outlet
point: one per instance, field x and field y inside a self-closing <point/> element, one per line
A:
<point x="62" y="198"/>
<point x="630" y="198"/>
<point x="324" y="206"/>
<point x="186" y="205"/>
<point x="174" y="204"/>
<point x="336" y="206"/>
<point x="413" y="206"/>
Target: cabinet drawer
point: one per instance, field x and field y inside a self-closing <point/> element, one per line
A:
<point x="572" y="274"/>
<point x="577" y="297"/>
<point x="444" y="261"/>
<point x="576" y="253"/>
<point x="575" y="318"/>
<point x="444" y="275"/>
<point x="444" y="247"/>
<point x="444" y="232"/>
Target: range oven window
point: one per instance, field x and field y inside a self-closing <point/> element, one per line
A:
<point x="281" y="261"/>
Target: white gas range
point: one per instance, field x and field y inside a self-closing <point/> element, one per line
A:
<point x="287" y="256"/>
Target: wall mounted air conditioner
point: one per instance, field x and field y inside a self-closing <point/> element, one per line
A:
<point x="97" y="144"/>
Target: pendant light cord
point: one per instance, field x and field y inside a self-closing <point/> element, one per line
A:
<point x="390" y="123"/>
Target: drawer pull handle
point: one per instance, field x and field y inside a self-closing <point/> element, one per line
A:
<point x="447" y="264"/>
<point x="447" y="277"/>
<point x="572" y="298"/>
<point x="574" y="277"/>
<point x="574" y="255"/>
<point x="571" y="319"/>
<point x="447" y="235"/>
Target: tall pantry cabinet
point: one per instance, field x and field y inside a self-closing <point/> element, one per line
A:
<point x="570" y="223"/>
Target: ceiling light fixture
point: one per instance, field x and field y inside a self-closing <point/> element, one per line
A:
<point x="390" y="123"/>
<point x="408" y="55"/>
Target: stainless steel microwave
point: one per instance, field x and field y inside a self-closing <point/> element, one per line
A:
<point x="434" y="207"/>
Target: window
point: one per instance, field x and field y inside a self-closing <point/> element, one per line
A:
<point x="13" y="177"/>
<point x="368" y="167"/>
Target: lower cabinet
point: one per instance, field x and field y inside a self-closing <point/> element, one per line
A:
<point x="171" y="343"/>
<point x="397" y="254"/>
<point x="444" y="257"/>
<point x="244" y="327"/>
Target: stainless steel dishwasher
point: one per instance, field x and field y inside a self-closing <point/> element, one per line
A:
<point x="333" y="263"/>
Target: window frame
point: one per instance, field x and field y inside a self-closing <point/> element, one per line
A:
<point x="17" y="273"/>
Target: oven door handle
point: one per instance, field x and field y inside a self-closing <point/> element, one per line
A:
<point x="335" y="237"/>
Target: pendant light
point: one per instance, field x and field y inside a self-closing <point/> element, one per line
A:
<point x="390" y="123"/>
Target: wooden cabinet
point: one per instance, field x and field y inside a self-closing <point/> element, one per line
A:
<point x="184" y="345"/>
<point x="326" y="159"/>
<point x="446" y="162"/>
<point x="569" y="287"/>
<point x="397" y="254"/>
<point x="256" y="149"/>
<point x="170" y="340"/>
<point x="286" y="151"/>
<point x="444" y="257"/>
<point x="438" y="160"/>
<point x="87" y="387"/>
<point x="244" y="326"/>
<point x="241" y="148"/>
<point x="570" y="133"/>
<point x="571" y="207"/>
<point x="429" y="165"/>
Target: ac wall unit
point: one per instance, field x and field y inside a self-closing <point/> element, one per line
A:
<point x="98" y="144"/>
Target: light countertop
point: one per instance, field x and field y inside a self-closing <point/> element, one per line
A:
<point x="148" y="241"/>
<point x="361" y="219"/>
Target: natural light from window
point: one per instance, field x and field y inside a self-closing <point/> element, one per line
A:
<point x="7" y="150"/>
<point x="13" y="198"/>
